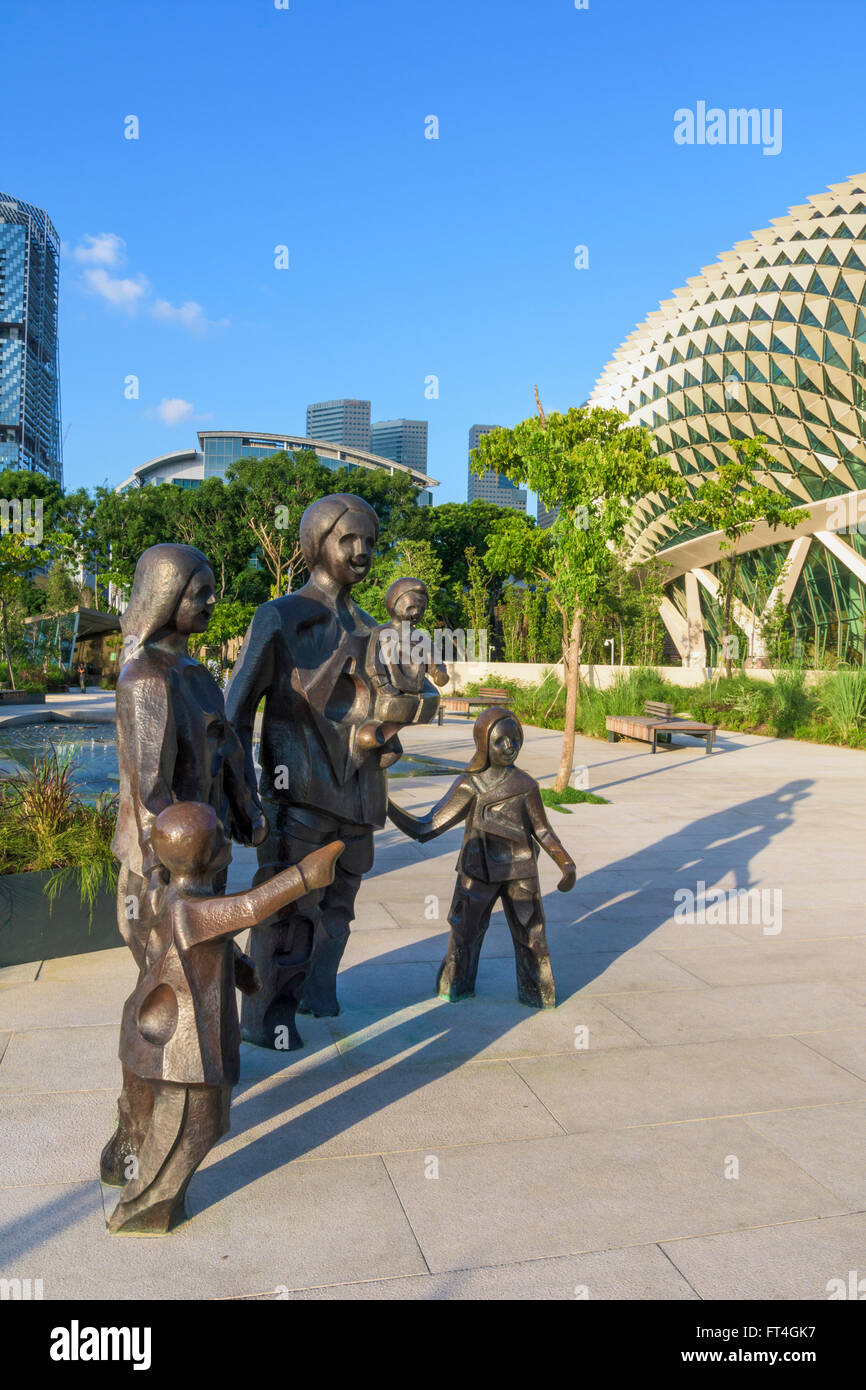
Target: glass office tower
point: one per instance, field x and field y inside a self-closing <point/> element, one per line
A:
<point x="404" y="441"/>
<point x="491" y="486"/>
<point x="340" y="422"/>
<point x="29" y="383"/>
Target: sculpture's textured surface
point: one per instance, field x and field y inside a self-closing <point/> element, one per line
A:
<point x="173" y="744"/>
<point x="180" y="1027"/>
<point x="505" y="825"/>
<point x="306" y="655"/>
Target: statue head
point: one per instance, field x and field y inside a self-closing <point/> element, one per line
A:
<point x="498" y="737"/>
<point x="173" y="591"/>
<point x="338" y="535"/>
<point x="407" y="599"/>
<point x="189" y="839"/>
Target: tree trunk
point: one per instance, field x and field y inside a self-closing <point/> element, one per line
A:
<point x="6" y="645"/>
<point x="572" y="694"/>
<point x="729" y="606"/>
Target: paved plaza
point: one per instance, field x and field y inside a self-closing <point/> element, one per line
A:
<point x="688" y="1123"/>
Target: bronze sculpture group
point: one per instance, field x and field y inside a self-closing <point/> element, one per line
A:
<point x="337" y="689"/>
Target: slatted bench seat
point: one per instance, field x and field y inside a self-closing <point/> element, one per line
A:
<point x="464" y="704"/>
<point x="656" y="725"/>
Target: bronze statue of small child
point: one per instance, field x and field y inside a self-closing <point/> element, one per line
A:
<point x="505" y="826"/>
<point x="180" y="1028"/>
<point x="397" y="666"/>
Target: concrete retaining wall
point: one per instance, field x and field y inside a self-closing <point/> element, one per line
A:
<point x="532" y="673"/>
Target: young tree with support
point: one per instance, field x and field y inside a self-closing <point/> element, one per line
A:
<point x="593" y="466"/>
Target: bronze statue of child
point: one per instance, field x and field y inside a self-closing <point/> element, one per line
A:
<point x="506" y="825"/>
<point x="397" y="666"/>
<point x="180" y="1028"/>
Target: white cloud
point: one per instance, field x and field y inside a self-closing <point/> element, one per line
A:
<point x="171" y="411"/>
<point x="189" y="315"/>
<point x="104" y="249"/>
<point x="104" y="252"/>
<point x="120" y="291"/>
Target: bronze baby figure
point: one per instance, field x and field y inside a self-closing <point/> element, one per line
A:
<point x="398" y="669"/>
<point x="506" y="825"/>
<point x="180" y="1031"/>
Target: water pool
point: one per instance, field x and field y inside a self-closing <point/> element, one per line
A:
<point x="92" y="749"/>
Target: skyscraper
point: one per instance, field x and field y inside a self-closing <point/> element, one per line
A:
<point x="340" y="422"/>
<point x="546" y="515"/>
<point x="29" y="385"/>
<point x="492" y="486"/>
<point x="404" y="441"/>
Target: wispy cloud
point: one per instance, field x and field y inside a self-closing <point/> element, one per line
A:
<point x="103" y="249"/>
<point x="101" y="253"/>
<point x="173" y="410"/>
<point x="122" y="292"/>
<point x="189" y="315"/>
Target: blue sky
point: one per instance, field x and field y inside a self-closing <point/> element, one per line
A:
<point x="408" y="257"/>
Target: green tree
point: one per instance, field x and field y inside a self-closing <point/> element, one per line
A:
<point x="210" y="518"/>
<point x="475" y="597"/>
<point x="229" y="620"/>
<point x="61" y="591"/>
<point x="414" y="559"/>
<point x="733" y="502"/>
<point x="593" y="466"/>
<point x="17" y="559"/>
<point x="272" y="495"/>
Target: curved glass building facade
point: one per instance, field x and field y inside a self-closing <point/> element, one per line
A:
<point x="770" y="339"/>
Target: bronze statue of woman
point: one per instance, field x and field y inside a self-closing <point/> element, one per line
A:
<point x="174" y="744"/>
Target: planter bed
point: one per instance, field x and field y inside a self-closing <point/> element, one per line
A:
<point x="31" y="929"/>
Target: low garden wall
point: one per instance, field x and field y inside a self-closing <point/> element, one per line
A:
<point x="463" y="673"/>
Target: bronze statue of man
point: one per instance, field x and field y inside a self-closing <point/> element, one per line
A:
<point x="306" y="654"/>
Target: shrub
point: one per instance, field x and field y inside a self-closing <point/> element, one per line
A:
<point x="792" y="704"/>
<point x="44" y="825"/>
<point x="842" y="697"/>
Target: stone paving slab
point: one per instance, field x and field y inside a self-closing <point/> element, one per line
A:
<point x="641" y="1272"/>
<point x="54" y="1138"/>
<point x="41" y="1059"/>
<point x="796" y="1260"/>
<point x="739" y="1011"/>
<point x="847" y="1046"/>
<point x="688" y="1081"/>
<point x="329" y="1113"/>
<point x="829" y="1142"/>
<point x="774" y="960"/>
<point x="591" y="1191"/>
<point x="476" y="1029"/>
<point x="338" y="1227"/>
<point x="65" y="1003"/>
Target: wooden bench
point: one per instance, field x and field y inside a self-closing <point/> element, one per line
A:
<point x="656" y="725"/>
<point x="464" y="704"/>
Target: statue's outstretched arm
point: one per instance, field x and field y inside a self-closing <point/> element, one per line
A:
<point x="210" y="918"/>
<point x="453" y="808"/>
